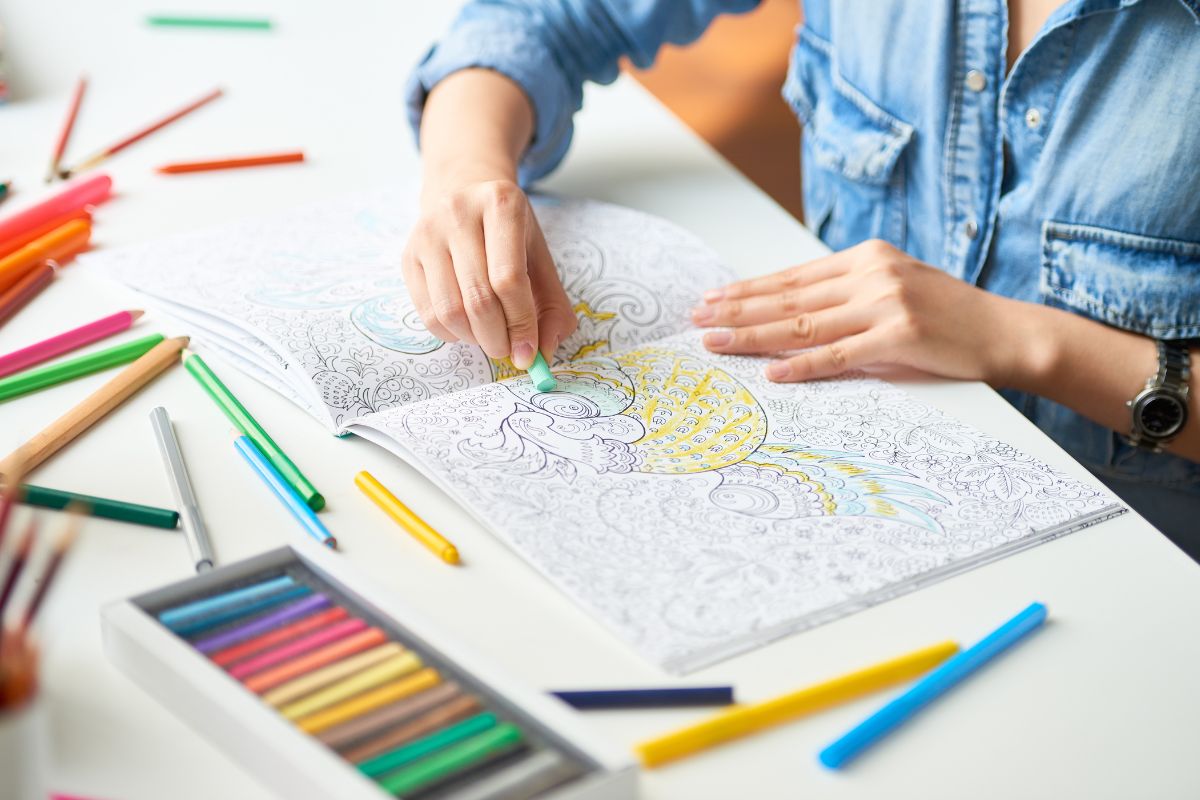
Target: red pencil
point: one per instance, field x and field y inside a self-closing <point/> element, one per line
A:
<point x="231" y="163"/>
<point x="28" y="287"/>
<point x="61" y="146"/>
<point x="19" y="559"/>
<point x="111" y="150"/>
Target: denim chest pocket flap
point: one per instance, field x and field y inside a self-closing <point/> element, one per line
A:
<point x="1143" y="284"/>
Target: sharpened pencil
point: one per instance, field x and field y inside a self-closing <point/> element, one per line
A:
<point x="64" y="135"/>
<point x="231" y="163"/>
<point x="17" y="296"/>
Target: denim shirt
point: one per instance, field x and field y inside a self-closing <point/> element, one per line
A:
<point x="1073" y="180"/>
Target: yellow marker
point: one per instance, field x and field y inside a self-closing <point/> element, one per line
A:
<point x="404" y="515"/>
<point x="369" y="701"/>
<point x="395" y="667"/>
<point x="319" y="678"/>
<point x="745" y="720"/>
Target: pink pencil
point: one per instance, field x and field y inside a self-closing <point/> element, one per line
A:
<point x="66" y="342"/>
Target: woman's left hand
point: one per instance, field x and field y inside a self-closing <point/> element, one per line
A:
<point x="873" y="304"/>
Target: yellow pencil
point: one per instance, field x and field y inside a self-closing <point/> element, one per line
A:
<point x="320" y="678"/>
<point x="388" y="670"/>
<point x="404" y="515"/>
<point x="369" y="701"/>
<point x="744" y="720"/>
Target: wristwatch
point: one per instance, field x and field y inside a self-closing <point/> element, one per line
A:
<point x="1161" y="410"/>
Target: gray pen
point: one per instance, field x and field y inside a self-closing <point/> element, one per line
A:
<point x="189" y="511"/>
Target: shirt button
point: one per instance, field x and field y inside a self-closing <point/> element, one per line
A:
<point x="976" y="81"/>
<point x="971" y="229"/>
<point x="1033" y="118"/>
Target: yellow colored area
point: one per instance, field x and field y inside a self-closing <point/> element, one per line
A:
<point x="582" y="309"/>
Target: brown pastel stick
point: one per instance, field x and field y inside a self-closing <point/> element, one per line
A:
<point x="348" y="733"/>
<point x="98" y="404"/>
<point x="456" y="709"/>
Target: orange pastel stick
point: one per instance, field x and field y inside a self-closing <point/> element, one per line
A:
<point x="62" y="242"/>
<point x="19" y="240"/>
<point x="231" y="163"/>
<point x="269" y="679"/>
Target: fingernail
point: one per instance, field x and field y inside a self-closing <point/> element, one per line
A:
<point x="522" y="355"/>
<point x="713" y="295"/>
<point x="702" y="314"/>
<point x="779" y="370"/>
<point x="717" y="338"/>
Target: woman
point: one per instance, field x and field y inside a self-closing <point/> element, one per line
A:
<point x="1010" y="188"/>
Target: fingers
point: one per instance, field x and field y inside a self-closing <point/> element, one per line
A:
<point x="861" y="350"/>
<point x="445" y="298"/>
<point x="555" y="318"/>
<point x="484" y="314"/>
<point x="508" y="274"/>
<point x="821" y="269"/>
<point x="414" y="279"/>
<point x="758" y="309"/>
<point x="800" y="331"/>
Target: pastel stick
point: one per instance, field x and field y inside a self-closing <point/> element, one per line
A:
<point x="391" y="715"/>
<point x="289" y="613"/>
<point x="189" y="612"/>
<point x="234" y="614"/>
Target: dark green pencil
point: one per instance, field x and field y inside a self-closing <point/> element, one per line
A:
<point x="100" y="506"/>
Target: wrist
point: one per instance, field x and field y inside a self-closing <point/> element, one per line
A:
<point x="446" y="178"/>
<point x="1035" y="348"/>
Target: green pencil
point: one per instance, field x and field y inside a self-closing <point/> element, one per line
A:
<point x="245" y="423"/>
<point x="475" y="751"/>
<point x="210" y="22"/>
<point x="34" y="379"/>
<point x="100" y="506"/>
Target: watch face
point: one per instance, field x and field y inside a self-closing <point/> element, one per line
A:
<point x="1161" y="415"/>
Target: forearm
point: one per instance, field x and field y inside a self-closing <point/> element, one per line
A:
<point x="1093" y="369"/>
<point x="476" y="126"/>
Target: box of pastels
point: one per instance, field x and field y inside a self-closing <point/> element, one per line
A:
<point x="324" y="687"/>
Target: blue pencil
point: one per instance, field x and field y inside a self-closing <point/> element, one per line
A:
<point x="284" y="491"/>
<point x="648" y="698"/>
<point x="931" y="687"/>
<point x="181" y="615"/>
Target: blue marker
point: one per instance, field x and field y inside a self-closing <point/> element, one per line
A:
<point x="284" y="491"/>
<point x="931" y="687"/>
<point x="221" y="602"/>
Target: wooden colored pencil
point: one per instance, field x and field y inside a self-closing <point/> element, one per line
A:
<point x="76" y="196"/>
<point x="17" y="296"/>
<point x="64" y="135"/>
<point x="22" y="238"/>
<point x="9" y="497"/>
<point x="19" y="559"/>
<point x="231" y="163"/>
<point x="65" y="540"/>
<point x="67" y="341"/>
<point x="112" y="394"/>
<point x="102" y="155"/>
<point x="60" y="244"/>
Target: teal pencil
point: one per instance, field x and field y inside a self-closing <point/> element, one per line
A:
<point x="210" y="22"/>
<point x="284" y="491"/>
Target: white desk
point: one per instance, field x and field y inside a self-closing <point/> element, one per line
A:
<point x="1103" y="703"/>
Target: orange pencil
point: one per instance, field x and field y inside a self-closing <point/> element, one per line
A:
<point x="113" y="149"/>
<point x="28" y="287"/>
<point x="61" y="243"/>
<point x="231" y="163"/>
<point x="17" y="241"/>
<point x="60" y="146"/>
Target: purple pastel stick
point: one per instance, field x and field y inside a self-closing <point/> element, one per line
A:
<point x="289" y="613"/>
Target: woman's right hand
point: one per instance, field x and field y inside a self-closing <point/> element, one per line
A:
<point x="479" y="271"/>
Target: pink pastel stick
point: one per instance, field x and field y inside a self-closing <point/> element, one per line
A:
<point x="66" y="342"/>
<point x="75" y="196"/>
<point x="286" y="652"/>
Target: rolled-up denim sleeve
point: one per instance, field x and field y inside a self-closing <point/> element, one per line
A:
<point x="551" y="47"/>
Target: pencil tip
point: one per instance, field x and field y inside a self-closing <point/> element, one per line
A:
<point x="332" y="543"/>
<point x="135" y="314"/>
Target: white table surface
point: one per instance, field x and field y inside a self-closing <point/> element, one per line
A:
<point x="1102" y="703"/>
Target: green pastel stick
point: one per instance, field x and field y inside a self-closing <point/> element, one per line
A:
<point x="210" y="22"/>
<point x="245" y="423"/>
<point x="477" y="750"/>
<point x="393" y="759"/>
<point x="100" y="506"/>
<point x="34" y="379"/>
<point x="539" y="373"/>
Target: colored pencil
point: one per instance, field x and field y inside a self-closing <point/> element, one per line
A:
<point x="238" y="23"/>
<point x="19" y="240"/>
<point x="458" y="708"/>
<point x="236" y="413"/>
<point x="54" y="374"/>
<point x="402" y="514"/>
<point x="67" y="341"/>
<point x="194" y="529"/>
<point x="28" y="287"/>
<point x="256" y="627"/>
<point x="73" y="198"/>
<point x="743" y="720"/>
<point x="57" y="554"/>
<point x="101" y="507"/>
<point x="647" y="698"/>
<point x="58" y="245"/>
<point x="64" y="135"/>
<point x="95" y="407"/>
<point x="369" y="701"/>
<point x="103" y="155"/>
<point x="283" y="490"/>
<point x="428" y="744"/>
<point x="931" y="687"/>
<point x="19" y="559"/>
<point x="470" y="754"/>
<point x="8" y="498"/>
<point x="191" y="612"/>
<point x="181" y="167"/>
<point x="294" y="630"/>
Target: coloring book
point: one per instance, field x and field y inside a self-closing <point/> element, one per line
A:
<point x="695" y="508"/>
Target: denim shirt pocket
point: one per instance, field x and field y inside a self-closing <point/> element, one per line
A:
<point x="853" y="176"/>
<point x="1143" y="284"/>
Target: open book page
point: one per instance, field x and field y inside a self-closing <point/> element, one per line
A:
<point x="312" y="302"/>
<point x="699" y="510"/>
